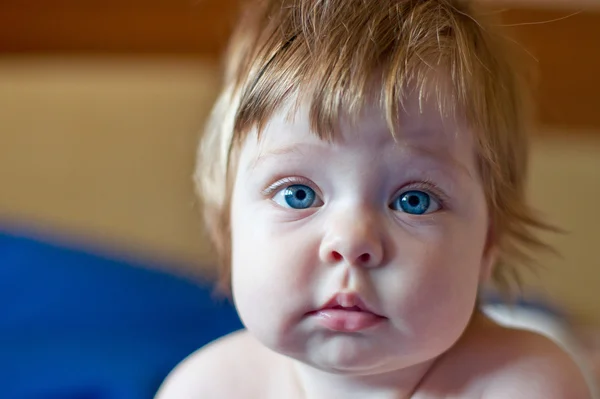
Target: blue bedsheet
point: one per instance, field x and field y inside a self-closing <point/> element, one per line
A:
<point x="76" y="325"/>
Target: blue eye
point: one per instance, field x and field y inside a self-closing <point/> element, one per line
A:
<point x="297" y="196"/>
<point x="415" y="203"/>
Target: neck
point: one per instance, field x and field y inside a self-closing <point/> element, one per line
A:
<point x="396" y="384"/>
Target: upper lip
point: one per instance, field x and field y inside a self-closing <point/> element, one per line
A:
<point x="349" y="301"/>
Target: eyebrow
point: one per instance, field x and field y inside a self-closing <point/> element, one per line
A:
<point x="274" y="153"/>
<point x="442" y="156"/>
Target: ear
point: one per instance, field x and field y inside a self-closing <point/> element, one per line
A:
<point x="489" y="255"/>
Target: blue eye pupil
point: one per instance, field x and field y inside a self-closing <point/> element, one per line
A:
<point x="414" y="202"/>
<point x="299" y="196"/>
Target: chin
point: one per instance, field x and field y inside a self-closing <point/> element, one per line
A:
<point x="347" y="355"/>
<point x="364" y="365"/>
<point x="351" y="367"/>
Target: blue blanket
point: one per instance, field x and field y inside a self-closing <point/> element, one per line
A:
<point x="78" y="325"/>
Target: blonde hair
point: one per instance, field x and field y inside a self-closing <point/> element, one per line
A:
<point x="328" y="51"/>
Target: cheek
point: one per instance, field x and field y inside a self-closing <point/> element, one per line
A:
<point x="270" y="274"/>
<point x="253" y="288"/>
<point x="253" y="261"/>
<point x="268" y="259"/>
<point x="448" y="282"/>
<point x="436" y="287"/>
<point x="438" y="276"/>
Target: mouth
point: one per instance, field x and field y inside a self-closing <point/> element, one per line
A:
<point x="347" y="312"/>
<point x="350" y="309"/>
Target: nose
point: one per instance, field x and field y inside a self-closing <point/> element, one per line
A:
<point x="353" y="238"/>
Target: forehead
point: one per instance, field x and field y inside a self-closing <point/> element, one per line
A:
<point x="421" y="124"/>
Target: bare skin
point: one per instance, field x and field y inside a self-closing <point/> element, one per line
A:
<point x="487" y="362"/>
<point x="353" y="233"/>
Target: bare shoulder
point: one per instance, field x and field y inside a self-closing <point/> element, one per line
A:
<point x="209" y="372"/>
<point x="532" y="366"/>
<point x="494" y="362"/>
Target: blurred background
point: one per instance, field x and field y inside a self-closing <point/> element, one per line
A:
<point x="101" y="108"/>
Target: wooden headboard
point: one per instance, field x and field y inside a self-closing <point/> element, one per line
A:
<point x="564" y="39"/>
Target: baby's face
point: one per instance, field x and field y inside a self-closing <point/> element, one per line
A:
<point x="361" y="255"/>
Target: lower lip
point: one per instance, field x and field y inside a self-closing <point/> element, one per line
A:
<point x="347" y="320"/>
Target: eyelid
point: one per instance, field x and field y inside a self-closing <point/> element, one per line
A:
<point x="289" y="181"/>
<point x="428" y="187"/>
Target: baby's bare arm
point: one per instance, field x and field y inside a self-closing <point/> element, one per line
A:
<point x="227" y="368"/>
<point x="194" y="378"/>
<point x="541" y="370"/>
<point x="204" y="374"/>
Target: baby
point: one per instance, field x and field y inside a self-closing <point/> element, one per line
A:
<point x="363" y="176"/>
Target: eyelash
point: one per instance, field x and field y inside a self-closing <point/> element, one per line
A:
<point x="425" y="185"/>
<point x="288" y="181"/>
<point x="428" y="187"/>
